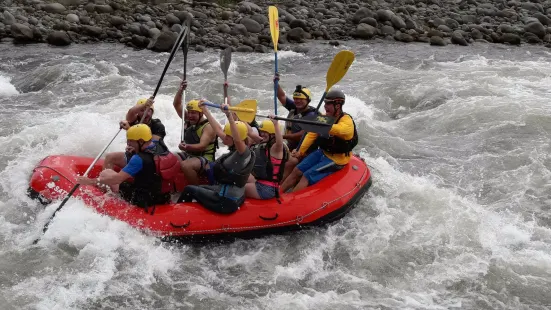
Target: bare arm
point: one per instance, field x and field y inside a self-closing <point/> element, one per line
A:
<point x="277" y="148"/>
<point x="240" y="145"/>
<point x="177" y="103"/>
<point x="294" y="136"/>
<point x="206" y="139"/>
<point x="218" y="130"/>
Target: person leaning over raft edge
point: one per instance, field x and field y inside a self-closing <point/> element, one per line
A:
<point x="229" y="173"/>
<point x="150" y="187"/>
<point x="334" y="151"/>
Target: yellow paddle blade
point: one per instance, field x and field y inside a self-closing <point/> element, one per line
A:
<point x="245" y="110"/>
<point x="274" y="25"/>
<point x="342" y="61"/>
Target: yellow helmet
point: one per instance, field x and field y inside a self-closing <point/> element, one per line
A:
<point x="302" y="93"/>
<point x="139" y="132"/>
<point x="193" y="105"/>
<point x="241" y="128"/>
<point x="143" y="101"/>
<point x="267" y="126"/>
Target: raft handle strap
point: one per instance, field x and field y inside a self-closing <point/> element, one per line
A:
<point x="269" y="218"/>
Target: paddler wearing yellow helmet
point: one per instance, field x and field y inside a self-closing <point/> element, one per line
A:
<point x="229" y="173"/>
<point x="147" y="188"/>
<point x="298" y="107"/>
<point x="133" y="117"/>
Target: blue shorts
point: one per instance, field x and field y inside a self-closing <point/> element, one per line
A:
<point x="265" y="191"/>
<point x="309" y="165"/>
<point x="210" y="173"/>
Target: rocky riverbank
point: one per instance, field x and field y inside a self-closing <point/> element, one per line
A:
<point x="244" y="25"/>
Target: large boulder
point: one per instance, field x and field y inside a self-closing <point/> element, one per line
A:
<point x="54" y="8"/>
<point x="163" y="42"/>
<point x="59" y="38"/>
<point x="535" y="28"/>
<point x="21" y="33"/>
<point x="365" y="31"/>
<point x="252" y="25"/>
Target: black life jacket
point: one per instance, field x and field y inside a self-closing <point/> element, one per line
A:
<point x="292" y="127"/>
<point x="192" y="135"/>
<point x="336" y="145"/>
<point x="230" y="177"/>
<point x="159" y="171"/>
<point x="263" y="167"/>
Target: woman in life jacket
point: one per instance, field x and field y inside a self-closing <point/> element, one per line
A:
<point x="152" y="168"/>
<point x="229" y="173"/>
<point x="270" y="158"/>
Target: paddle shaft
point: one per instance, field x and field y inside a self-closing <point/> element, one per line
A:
<point x="214" y="105"/>
<point x="300" y="121"/>
<point x="177" y="44"/>
<point x="275" y="85"/>
<point x="77" y="185"/>
<point x="184" y="50"/>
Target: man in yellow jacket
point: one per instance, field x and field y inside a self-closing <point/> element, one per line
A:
<point x="334" y="151"/>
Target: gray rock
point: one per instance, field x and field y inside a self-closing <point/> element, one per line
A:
<point x="397" y="22"/>
<point x="544" y="20"/>
<point x="140" y="41"/>
<point x="457" y="38"/>
<point x="384" y="15"/>
<point x="58" y="38"/>
<point x="437" y="41"/>
<point x="411" y="24"/>
<point x="223" y="28"/>
<point x="21" y="33"/>
<point x="248" y="7"/>
<point x="504" y="28"/>
<point x="365" y="31"/>
<point x="8" y="18"/>
<point x="296" y="23"/>
<point x="510" y="38"/>
<point x="183" y="16"/>
<point x="469" y="19"/>
<point x="117" y="21"/>
<point x="361" y="14"/>
<point x="387" y="30"/>
<point x="533" y="7"/>
<point x="154" y="32"/>
<point x="54" y="8"/>
<point x="261" y="19"/>
<point x="171" y="19"/>
<point x="535" y="28"/>
<point x="403" y="37"/>
<point x="176" y="28"/>
<point x="370" y="21"/>
<point x="72" y="18"/>
<point x="85" y="20"/>
<point x="296" y="35"/>
<point x="22" y="18"/>
<point x="452" y="23"/>
<point x="90" y="7"/>
<point x="199" y="15"/>
<point x="163" y="42"/>
<point x="226" y="15"/>
<point x="71" y="3"/>
<point x="251" y="25"/>
<point x="134" y="28"/>
<point x="245" y="49"/>
<point x="444" y="28"/>
<point x="92" y="30"/>
<point x="33" y="20"/>
<point x="200" y="48"/>
<point x="477" y="35"/>
<point x="104" y="8"/>
<point x="239" y="29"/>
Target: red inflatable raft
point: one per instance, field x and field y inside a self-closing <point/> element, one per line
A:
<point x="324" y="202"/>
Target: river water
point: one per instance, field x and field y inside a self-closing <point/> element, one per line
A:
<point x="458" y="216"/>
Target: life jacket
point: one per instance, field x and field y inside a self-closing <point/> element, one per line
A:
<point x="292" y="127"/>
<point x="223" y="175"/>
<point x="336" y="145"/>
<point x="160" y="169"/>
<point x="263" y="166"/>
<point x="192" y="135"/>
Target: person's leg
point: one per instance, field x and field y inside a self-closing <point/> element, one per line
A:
<point x="291" y="163"/>
<point x="191" y="168"/>
<point x="313" y="176"/>
<point x="308" y="162"/>
<point x="250" y="191"/>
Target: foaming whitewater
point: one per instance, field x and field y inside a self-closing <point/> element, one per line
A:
<point x="458" y="215"/>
